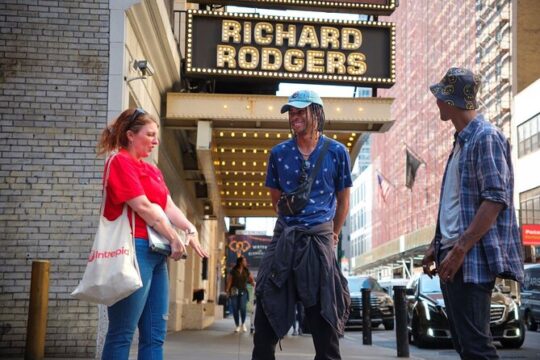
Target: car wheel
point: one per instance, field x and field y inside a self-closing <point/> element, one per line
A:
<point x="418" y="340"/>
<point x="530" y="321"/>
<point x="388" y="324"/>
<point x="517" y="342"/>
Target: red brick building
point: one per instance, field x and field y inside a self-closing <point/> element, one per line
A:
<point x="431" y="37"/>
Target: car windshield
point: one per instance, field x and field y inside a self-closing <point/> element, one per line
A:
<point x="356" y="284"/>
<point x="430" y="285"/>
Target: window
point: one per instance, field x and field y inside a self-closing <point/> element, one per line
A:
<point x="529" y="136"/>
<point x="530" y="206"/>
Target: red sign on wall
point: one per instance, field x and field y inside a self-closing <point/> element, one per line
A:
<point x="530" y="234"/>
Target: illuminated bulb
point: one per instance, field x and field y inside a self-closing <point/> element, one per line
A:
<point x="233" y="150"/>
<point x="233" y="163"/>
<point x="233" y="134"/>
<point x="335" y="136"/>
<point x="266" y="135"/>
<point x="222" y="150"/>
<point x="255" y="135"/>
<point x="244" y="134"/>
<point x="225" y="106"/>
<point x="270" y="108"/>
<point x="278" y="135"/>
<point x="265" y="151"/>
<point x="221" y="133"/>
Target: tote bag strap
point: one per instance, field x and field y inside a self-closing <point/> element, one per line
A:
<point x="104" y="195"/>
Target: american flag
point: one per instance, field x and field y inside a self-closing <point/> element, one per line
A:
<point x="384" y="186"/>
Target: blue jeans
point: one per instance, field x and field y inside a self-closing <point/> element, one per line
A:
<point x="238" y="303"/>
<point x="468" y="308"/>
<point x="147" y="307"/>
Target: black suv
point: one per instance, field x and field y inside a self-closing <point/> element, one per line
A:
<point x="428" y="323"/>
<point x="530" y="297"/>
<point x="382" y="306"/>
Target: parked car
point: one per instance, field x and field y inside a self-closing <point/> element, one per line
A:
<point x="428" y="322"/>
<point x="382" y="306"/>
<point x="530" y="297"/>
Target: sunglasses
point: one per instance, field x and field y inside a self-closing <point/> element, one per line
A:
<point x="303" y="172"/>
<point x="138" y="112"/>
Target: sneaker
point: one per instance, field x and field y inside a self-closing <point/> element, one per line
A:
<point x="244" y="329"/>
<point x="300" y="332"/>
<point x="295" y="333"/>
<point x="237" y="329"/>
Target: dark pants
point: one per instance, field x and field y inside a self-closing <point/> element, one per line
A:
<point x="468" y="309"/>
<point x="325" y="337"/>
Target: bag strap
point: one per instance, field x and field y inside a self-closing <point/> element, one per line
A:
<point x="104" y="196"/>
<point x="319" y="160"/>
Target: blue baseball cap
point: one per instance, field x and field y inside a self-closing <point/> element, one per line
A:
<point x="302" y="99"/>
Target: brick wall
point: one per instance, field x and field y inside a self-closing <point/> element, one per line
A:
<point x="431" y="37"/>
<point x="54" y="59"/>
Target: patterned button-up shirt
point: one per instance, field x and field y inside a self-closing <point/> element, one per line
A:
<point x="486" y="173"/>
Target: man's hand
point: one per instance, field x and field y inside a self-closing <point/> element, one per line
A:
<point x="428" y="262"/>
<point x="451" y="263"/>
<point x="335" y="237"/>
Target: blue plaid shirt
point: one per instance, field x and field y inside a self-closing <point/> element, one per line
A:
<point x="485" y="170"/>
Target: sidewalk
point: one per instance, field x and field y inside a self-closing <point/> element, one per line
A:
<point x="220" y="342"/>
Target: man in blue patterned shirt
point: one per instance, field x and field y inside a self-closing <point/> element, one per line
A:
<point x="477" y="237"/>
<point x="300" y="264"/>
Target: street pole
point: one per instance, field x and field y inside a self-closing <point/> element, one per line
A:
<point x="37" y="311"/>
<point x="402" y="338"/>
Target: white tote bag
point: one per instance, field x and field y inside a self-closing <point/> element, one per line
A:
<point x="112" y="271"/>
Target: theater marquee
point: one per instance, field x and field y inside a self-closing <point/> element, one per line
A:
<point x="290" y="49"/>
<point x="376" y="7"/>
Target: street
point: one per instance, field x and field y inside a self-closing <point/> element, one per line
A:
<point x="387" y="339"/>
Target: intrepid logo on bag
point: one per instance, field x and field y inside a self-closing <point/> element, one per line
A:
<point x="107" y="254"/>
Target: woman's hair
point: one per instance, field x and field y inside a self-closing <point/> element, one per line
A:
<point x="317" y="117"/>
<point x="115" y="135"/>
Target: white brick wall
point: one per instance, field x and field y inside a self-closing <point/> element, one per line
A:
<point x="54" y="59"/>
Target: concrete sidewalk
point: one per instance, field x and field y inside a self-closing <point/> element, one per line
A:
<point x="220" y="342"/>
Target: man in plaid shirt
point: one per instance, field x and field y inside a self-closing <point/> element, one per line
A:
<point x="477" y="237"/>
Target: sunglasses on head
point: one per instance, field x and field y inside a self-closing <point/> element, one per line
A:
<point x="138" y="112"/>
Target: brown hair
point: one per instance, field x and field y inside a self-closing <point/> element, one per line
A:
<point x="114" y="136"/>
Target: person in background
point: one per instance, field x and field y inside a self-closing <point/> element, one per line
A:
<point x="477" y="237"/>
<point x="236" y="287"/>
<point x="140" y="185"/>
<point x="300" y="263"/>
<point x="299" y="319"/>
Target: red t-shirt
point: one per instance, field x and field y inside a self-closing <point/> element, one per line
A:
<point x="129" y="178"/>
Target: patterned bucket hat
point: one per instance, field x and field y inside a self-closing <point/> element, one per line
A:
<point x="458" y="88"/>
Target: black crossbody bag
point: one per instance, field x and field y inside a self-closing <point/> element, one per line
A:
<point x="292" y="203"/>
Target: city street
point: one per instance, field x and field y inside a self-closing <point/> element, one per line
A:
<point x="220" y="342"/>
<point x="387" y="339"/>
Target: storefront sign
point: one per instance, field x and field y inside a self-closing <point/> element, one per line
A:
<point x="276" y="48"/>
<point x="530" y="234"/>
<point x="251" y="247"/>
<point x="382" y="7"/>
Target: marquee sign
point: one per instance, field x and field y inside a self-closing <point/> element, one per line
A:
<point x="278" y="48"/>
<point x="382" y="7"/>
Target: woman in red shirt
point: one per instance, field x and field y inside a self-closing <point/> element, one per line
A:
<point x="132" y="137"/>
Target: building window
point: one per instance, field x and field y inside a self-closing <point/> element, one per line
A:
<point x="530" y="206"/>
<point x="529" y="136"/>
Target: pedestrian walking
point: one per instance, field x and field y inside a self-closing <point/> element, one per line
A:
<point x="236" y="288"/>
<point x="140" y="185"/>
<point x="309" y="179"/>
<point x="477" y="237"/>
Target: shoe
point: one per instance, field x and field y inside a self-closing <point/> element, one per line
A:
<point x="295" y="333"/>
<point x="300" y="332"/>
<point x="244" y="329"/>
<point x="237" y="329"/>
